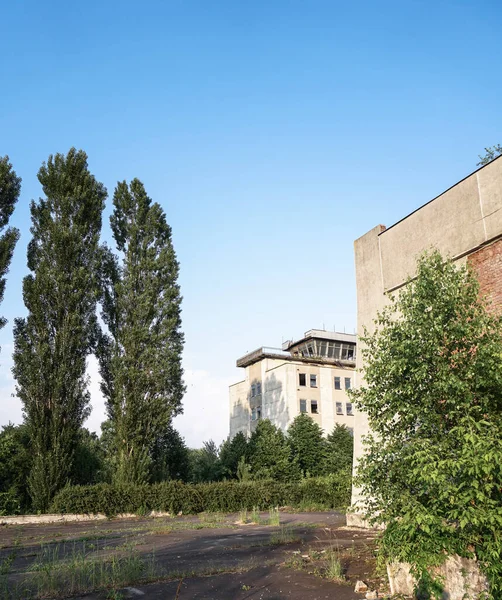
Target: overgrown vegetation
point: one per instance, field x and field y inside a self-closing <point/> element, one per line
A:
<point x="432" y="469"/>
<point x="229" y="496"/>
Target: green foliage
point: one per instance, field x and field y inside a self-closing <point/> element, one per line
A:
<point x="491" y="153"/>
<point x="89" y="459"/>
<point x="140" y="359"/>
<point x="231" y="453"/>
<point x="339" y="449"/>
<point x="225" y="496"/>
<point x="432" y="471"/>
<point x="243" y="470"/>
<point x="269" y="454"/>
<point x="10" y="188"/>
<point x="52" y="343"/>
<point x="15" y="465"/>
<point x="308" y="446"/>
<point x="170" y="457"/>
<point x="205" y="465"/>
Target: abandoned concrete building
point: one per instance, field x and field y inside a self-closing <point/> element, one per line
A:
<point x="311" y="375"/>
<point x="464" y="223"/>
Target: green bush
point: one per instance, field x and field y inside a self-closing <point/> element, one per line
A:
<point x="10" y="503"/>
<point x="228" y="496"/>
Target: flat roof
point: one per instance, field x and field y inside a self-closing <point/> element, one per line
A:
<point x="261" y="353"/>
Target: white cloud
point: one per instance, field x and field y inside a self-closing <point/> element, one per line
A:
<point x="98" y="413"/>
<point x="205" y="403"/>
<point x="10" y="405"/>
<point x="205" y="408"/>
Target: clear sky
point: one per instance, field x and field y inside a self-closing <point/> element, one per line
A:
<point x="273" y="133"/>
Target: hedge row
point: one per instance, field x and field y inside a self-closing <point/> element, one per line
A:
<point x="332" y="491"/>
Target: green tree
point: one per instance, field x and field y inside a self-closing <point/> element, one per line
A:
<point x="340" y="450"/>
<point x="141" y="358"/>
<point x="170" y="457"/>
<point x="308" y="446"/>
<point x="89" y="460"/>
<point x="10" y="188"/>
<point x="269" y="454"/>
<point x="52" y="343"/>
<point x="205" y="465"/>
<point x="15" y="465"/>
<point x="432" y="469"/>
<point x="231" y="452"/>
<point x="491" y="153"/>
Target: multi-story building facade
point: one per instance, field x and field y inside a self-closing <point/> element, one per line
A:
<point x="311" y="375"/>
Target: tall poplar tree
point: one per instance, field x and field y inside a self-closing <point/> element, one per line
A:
<point x="10" y="188"/>
<point x="141" y="358"/>
<point x="51" y="344"/>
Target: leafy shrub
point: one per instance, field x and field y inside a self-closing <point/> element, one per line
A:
<point x="10" y="503"/>
<point x="228" y="496"/>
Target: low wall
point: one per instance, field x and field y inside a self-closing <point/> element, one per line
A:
<point x="46" y="519"/>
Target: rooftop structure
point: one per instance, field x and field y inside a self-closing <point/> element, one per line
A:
<point x="310" y="375"/>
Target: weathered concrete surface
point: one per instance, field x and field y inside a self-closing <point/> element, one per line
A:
<point x="261" y="583"/>
<point x="217" y="560"/>
<point x="462" y="579"/>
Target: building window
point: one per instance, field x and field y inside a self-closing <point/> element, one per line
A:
<point x="303" y="379"/>
<point x="313" y="407"/>
<point x="258" y="389"/>
<point x="348" y="408"/>
<point x="303" y="406"/>
<point x="258" y="413"/>
<point x="253" y="391"/>
<point x="253" y="414"/>
<point x="313" y="381"/>
<point x="338" y="383"/>
<point x="339" y="408"/>
<point x="347" y="383"/>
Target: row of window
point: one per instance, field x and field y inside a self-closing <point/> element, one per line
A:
<point x="256" y="413"/>
<point x="255" y="389"/>
<point x="314" y="407"/>
<point x="347" y="383"/>
<point x="336" y="350"/>
<point x="302" y="380"/>
<point x="348" y="408"/>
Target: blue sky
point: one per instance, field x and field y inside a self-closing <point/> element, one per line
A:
<point x="273" y="134"/>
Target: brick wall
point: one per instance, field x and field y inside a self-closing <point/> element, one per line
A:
<point x="487" y="263"/>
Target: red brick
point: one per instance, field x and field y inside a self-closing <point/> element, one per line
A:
<point x="487" y="264"/>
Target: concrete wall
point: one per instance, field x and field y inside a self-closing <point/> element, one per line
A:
<point x="239" y="408"/>
<point x="464" y="223"/>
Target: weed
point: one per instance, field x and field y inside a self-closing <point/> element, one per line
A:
<point x="274" y="517"/>
<point x="334" y="569"/>
<point x="206" y="517"/>
<point x="295" y="561"/>
<point x="255" y="516"/>
<point x="243" y="515"/>
<point x="285" y="535"/>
